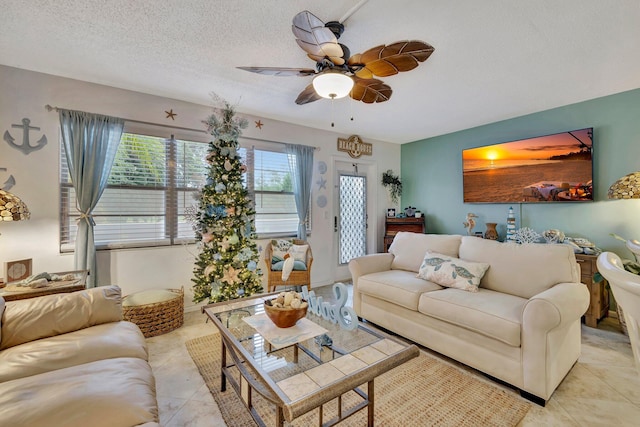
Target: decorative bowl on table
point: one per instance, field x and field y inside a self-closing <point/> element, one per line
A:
<point x="286" y="309"/>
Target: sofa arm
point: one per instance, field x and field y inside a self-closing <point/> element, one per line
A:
<point x="367" y="264"/>
<point x="551" y="336"/>
<point x="556" y="307"/>
<point x="31" y="319"/>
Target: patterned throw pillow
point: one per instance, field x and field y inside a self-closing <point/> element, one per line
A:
<point x="452" y="272"/>
<point x="279" y="248"/>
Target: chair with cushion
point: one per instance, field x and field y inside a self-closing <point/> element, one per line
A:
<point x="626" y="290"/>
<point x="274" y="255"/>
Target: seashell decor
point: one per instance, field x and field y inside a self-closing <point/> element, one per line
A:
<point x="286" y="309"/>
<point x="553" y="236"/>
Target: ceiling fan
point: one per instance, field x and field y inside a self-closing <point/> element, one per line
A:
<point x="338" y="73"/>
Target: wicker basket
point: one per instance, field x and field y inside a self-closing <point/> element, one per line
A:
<point x="157" y="318"/>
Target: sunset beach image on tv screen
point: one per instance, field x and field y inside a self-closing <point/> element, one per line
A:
<point x="551" y="168"/>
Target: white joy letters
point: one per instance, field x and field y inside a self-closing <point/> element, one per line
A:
<point x="336" y="313"/>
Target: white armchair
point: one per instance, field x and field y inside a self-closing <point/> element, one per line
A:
<point x="626" y="290"/>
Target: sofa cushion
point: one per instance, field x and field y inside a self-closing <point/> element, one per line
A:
<point x="106" y="393"/>
<point x="522" y="270"/>
<point x="452" y="272"/>
<point x="493" y="314"/>
<point x="396" y="286"/>
<point x="409" y="248"/>
<point x="106" y="341"/>
<point x="34" y="318"/>
<point x="297" y="265"/>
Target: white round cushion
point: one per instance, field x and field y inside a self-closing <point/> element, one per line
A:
<point x="148" y="297"/>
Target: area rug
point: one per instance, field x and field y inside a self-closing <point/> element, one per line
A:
<point x="424" y="391"/>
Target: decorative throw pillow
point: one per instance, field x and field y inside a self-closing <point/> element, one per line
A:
<point x="452" y="272"/>
<point x="297" y="266"/>
<point x="299" y="252"/>
<point x="279" y="248"/>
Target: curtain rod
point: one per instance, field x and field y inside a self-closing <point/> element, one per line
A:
<point x="50" y="108"/>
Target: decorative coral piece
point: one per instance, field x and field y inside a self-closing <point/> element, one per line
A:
<point x="526" y="235"/>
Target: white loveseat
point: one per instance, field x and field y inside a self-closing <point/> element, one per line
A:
<point x="522" y="326"/>
<point x="70" y="360"/>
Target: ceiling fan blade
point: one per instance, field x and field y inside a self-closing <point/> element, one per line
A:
<point x="384" y="61"/>
<point x="316" y="39"/>
<point x="370" y="90"/>
<point x="280" y="71"/>
<point x="307" y="95"/>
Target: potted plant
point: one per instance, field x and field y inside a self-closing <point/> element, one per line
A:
<point x="393" y="185"/>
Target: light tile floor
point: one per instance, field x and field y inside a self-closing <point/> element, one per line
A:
<point x="602" y="389"/>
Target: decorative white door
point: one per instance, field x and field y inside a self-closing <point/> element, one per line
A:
<point x="351" y="221"/>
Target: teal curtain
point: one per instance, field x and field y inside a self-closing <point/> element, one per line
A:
<point x="90" y="145"/>
<point x="301" y="166"/>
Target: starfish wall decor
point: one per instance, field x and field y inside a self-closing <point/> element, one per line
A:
<point x="171" y="114"/>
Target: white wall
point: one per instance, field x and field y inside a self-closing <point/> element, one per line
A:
<point x="25" y="93"/>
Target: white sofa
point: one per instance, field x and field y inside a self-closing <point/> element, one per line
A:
<point x="70" y="360"/>
<point x="522" y="326"/>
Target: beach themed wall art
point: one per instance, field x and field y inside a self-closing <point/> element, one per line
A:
<point x="25" y="145"/>
<point x="551" y="168"/>
<point x="9" y="183"/>
<point x="322" y="167"/>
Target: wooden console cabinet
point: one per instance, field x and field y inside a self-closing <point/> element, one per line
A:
<point x="393" y="225"/>
<point x="599" y="304"/>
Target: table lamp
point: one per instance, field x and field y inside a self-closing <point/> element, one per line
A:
<point x="628" y="187"/>
<point x="12" y="208"/>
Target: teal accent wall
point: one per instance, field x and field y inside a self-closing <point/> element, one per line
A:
<point x="432" y="173"/>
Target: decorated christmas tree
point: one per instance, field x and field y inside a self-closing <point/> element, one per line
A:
<point x="227" y="265"/>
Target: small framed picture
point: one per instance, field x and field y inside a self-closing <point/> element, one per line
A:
<point x="391" y="213"/>
<point x="17" y="270"/>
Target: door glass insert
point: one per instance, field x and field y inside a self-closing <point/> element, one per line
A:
<point x="352" y="240"/>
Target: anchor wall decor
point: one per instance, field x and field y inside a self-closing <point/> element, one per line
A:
<point x="9" y="183"/>
<point x="26" y="148"/>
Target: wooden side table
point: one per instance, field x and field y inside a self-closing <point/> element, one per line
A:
<point x="393" y="225"/>
<point x="599" y="303"/>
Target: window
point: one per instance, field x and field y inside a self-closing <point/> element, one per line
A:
<point x="276" y="212"/>
<point x="155" y="180"/>
<point x="151" y="183"/>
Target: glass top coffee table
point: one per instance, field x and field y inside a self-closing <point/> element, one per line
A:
<point x="304" y="367"/>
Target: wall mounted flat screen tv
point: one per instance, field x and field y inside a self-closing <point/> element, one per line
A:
<point x="550" y="168"/>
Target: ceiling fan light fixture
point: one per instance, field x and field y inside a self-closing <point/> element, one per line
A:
<point x="332" y="84"/>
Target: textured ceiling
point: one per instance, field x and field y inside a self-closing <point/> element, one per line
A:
<point x="493" y="59"/>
